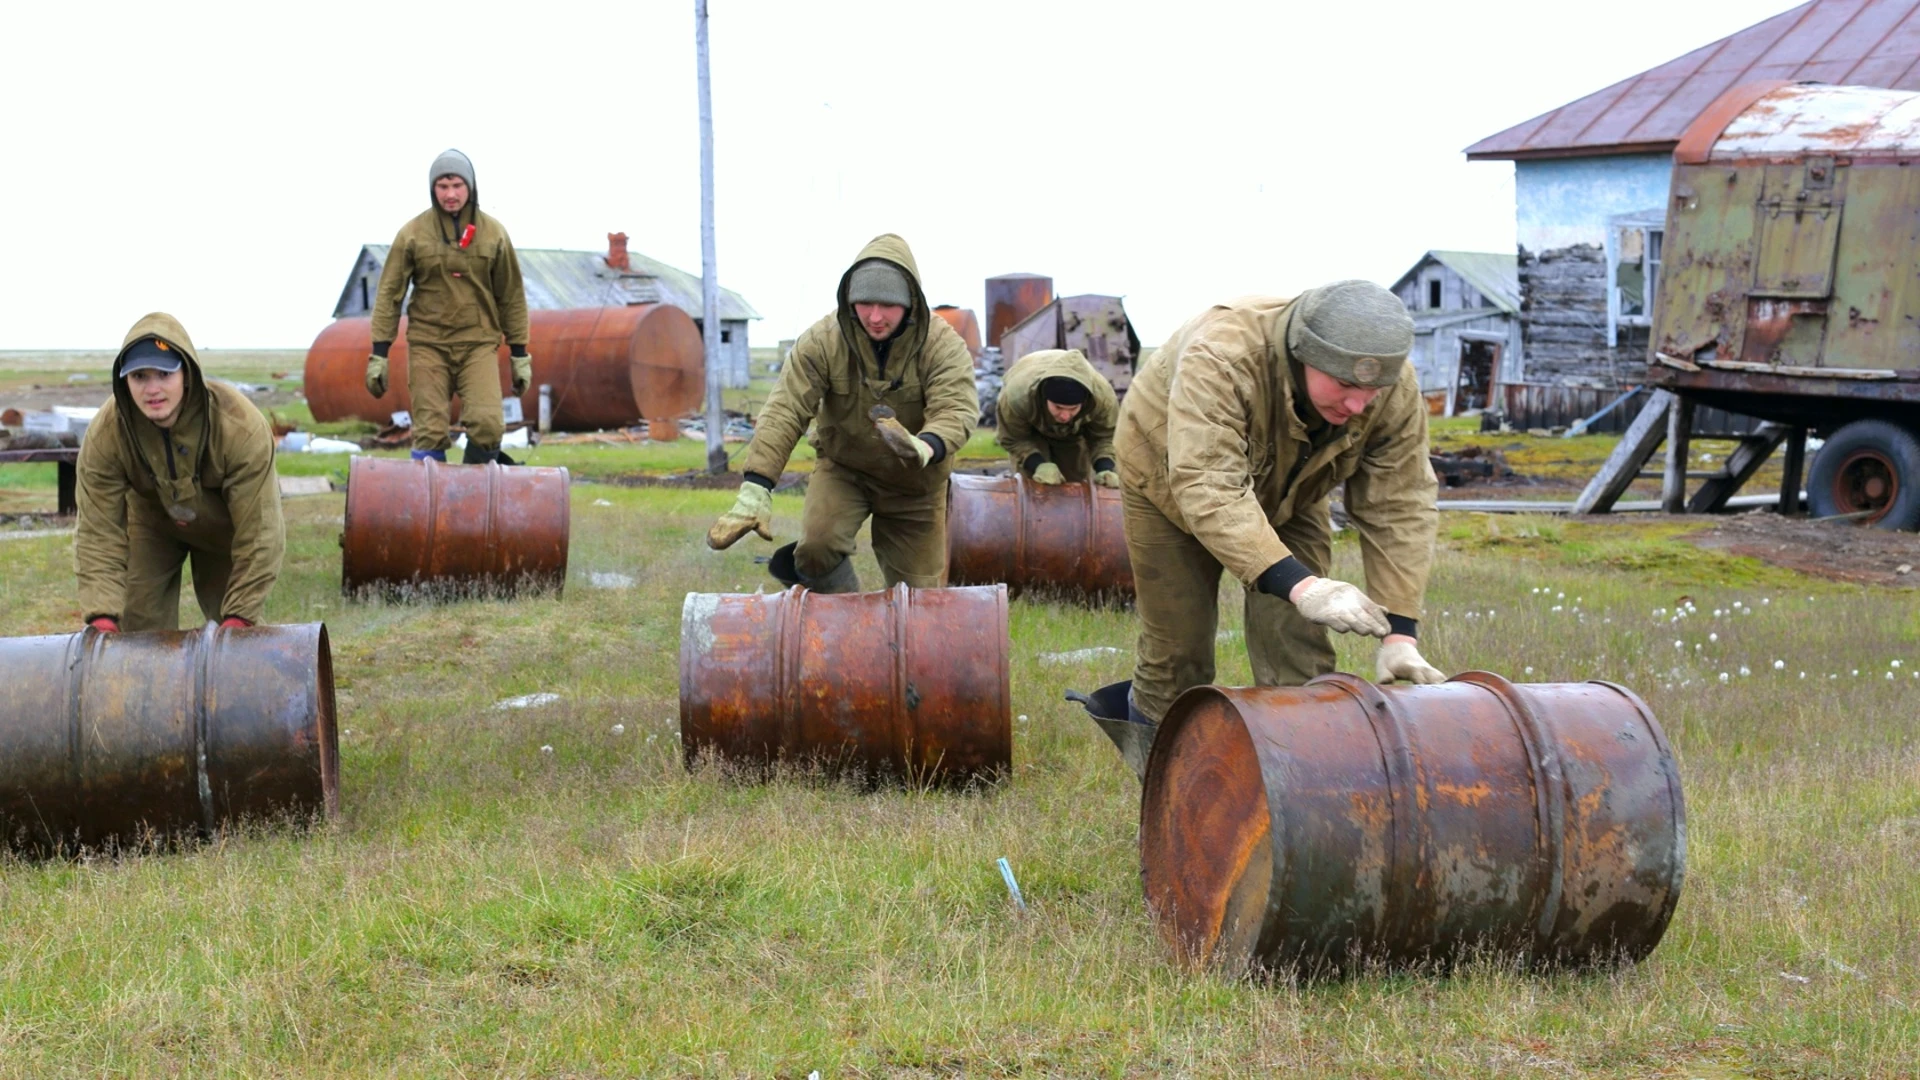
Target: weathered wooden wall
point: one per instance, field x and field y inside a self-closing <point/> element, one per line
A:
<point x="1563" y="321"/>
<point x="1537" y="405"/>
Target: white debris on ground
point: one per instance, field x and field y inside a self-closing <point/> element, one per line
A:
<point x="1079" y="656"/>
<point x="607" y="579"/>
<point x="526" y="701"/>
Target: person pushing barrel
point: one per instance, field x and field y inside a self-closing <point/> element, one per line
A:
<point x="890" y="392"/>
<point x="175" y="468"/>
<point x="1057" y="416"/>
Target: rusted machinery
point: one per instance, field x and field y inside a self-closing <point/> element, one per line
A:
<point x="423" y="528"/>
<point x="118" y="738"/>
<point x="904" y="685"/>
<point x="1011" y="298"/>
<point x="1010" y="530"/>
<point x="964" y="323"/>
<point x="1096" y="325"/>
<point x="608" y="367"/>
<point x="1318" y="827"/>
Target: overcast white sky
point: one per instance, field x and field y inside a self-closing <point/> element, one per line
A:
<point x="225" y="161"/>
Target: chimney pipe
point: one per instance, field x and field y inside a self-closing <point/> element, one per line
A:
<point x="617" y="251"/>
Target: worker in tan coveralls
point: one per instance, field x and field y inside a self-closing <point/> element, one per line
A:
<point x="175" y="468"/>
<point x="1057" y="416"/>
<point x="1232" y="438"/>
<point x="890" y="391"/>
<point x="467" y="295"/>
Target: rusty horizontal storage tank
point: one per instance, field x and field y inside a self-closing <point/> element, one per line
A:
<point x="1010" y="530"/>
<point x="1010" y="299"/>
<point x="964" y="323"/>
<point x="905" y="685"/>
<point x="427" y="528"/>
<point x="117" y="738"/>
<point x="1321" y="826"/>
<point x="609" y="367"/>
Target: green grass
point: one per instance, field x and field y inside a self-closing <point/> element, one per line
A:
<point x="482" y="908"/>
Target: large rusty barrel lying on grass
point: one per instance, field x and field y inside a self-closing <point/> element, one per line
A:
<point x="1337" y="823"/>
<point x="109" y="738"/>
<point x="608" y="367"/>
<point x="907" y="684"/>
<point x="1010" y="530"/>
<point x="424" y="527"/>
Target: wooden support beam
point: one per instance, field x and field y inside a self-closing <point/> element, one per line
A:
<point x="1636" y="447"/>
<point x="1673" y="489"/>
<point x="1793" y="469"/>
<point x="1746" y="459"/>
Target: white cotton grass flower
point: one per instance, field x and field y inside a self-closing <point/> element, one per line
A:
<point x="1529" y="670"/>
<point x="1765" y="600"/>
<point x="547" y="749"/>
<point x="1803" y="674"/>
<point x="1895" y="663"/>
<point x="1723" y="676"/>
<point x="619" y="729"/>
<point x="1679" y="644"/>
<point x="1713" y="637"/>
<point x="1779" y="665"/>
<point x="1556" y="607"/>
<point x="1856" y="673"/>
<point x="1745" y="671"/>
<point x="1559" y="596"/>
<point x="1023" y="718"/>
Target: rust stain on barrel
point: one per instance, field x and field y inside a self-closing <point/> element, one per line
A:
<point x="1009" y="530"/>
<point x="423" y="526"/>
<point x="608" y="367"/>
<point x="111" y="738"/>
<point x="907" y="684"/>
<point x="1409" y="824"/>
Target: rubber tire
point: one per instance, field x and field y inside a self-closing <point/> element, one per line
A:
<point x="1899" y="445"/>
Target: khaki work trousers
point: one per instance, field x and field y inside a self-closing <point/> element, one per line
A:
<point x="435" y="373"/>
<point x="1176" y="583"/>
<point x="909" y="531"/>
<point x="157" y="549"/>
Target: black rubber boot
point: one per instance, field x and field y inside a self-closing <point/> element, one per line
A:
<point x="781" y="565"/>
<point x="840" y="579"/>
<point x="475" y="454"/>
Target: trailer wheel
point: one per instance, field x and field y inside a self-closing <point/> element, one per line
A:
<point x="1870" y="468"/>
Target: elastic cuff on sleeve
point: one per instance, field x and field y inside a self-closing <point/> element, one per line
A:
<point x="939" y="447"/>
<point x="1403" y="625"/>
<point x="756" y="478"/>
<point x="516" y="350"/>
<point x="1104" y="464"/>
<point x="1033" y="462"/>
<point x="1280" y="578"/>
<point x="380" y="348"/>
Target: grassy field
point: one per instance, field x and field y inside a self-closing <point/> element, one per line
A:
<point x="484" y="908"/>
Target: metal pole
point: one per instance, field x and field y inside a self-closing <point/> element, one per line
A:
<point x="709" y="275"/>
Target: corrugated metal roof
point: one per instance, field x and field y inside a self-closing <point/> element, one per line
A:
<point x="1862" y="42"/>
<point x="1850" y="120"/>
<point x="1495" y="275"/>
<point x="557" y="279"/>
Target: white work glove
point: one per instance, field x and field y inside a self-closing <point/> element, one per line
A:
<point x="1048" y="473"/>
<point x="1402" y="660"/>
<point x="1337" y="605"/>
<point x="752" y="512"/>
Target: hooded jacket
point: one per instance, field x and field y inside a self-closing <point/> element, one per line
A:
<point x="470" y="296"/>
<point x="835" y="375"/>
<point x="1211" y="433"/>
<point x="1026" y="427"/>
<point x="216" y="463"/>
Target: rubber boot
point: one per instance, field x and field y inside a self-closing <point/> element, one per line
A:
<point x="1113" y="710"/>
<point x="841" y="579"/>
<point x="781" y="565"/>
<point x="475" y="454"/>
<point x="437" y="455"/>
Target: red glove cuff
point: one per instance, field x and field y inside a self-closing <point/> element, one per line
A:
<point x="105" y="624"/>
<point x="234" y="622"/>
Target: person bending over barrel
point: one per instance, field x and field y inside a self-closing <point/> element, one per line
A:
<point x="1057" y="416"/>
<point x="175" y="467"/>
<point x="889" y="389"/>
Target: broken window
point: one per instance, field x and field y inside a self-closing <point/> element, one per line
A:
<point x="1633" y="270"/>
<point x="1433" y="294"/>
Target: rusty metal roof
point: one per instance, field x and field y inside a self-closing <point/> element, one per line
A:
<point x="1795" y="120"/>
<point x="557" y="279"/>
<point x="1862" y="42"/>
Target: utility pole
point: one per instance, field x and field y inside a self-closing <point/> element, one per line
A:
<point x="709" y="275"/>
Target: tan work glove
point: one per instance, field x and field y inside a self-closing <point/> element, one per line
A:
<point x="1402" y="660"/>
<point x="752" y="512"/>
<point x="1048" y="473"/>
<point x="1337" y="605"/>
<point x="522" y="373"/>
<point x="377" y="376"/>
<point x="1107" y="478"/>
<point x="904" y="444"/>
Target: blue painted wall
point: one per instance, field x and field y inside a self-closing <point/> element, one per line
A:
<point x="1564" y="202"/>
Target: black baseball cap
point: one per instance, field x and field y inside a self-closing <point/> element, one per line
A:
<point x="150" y="353"/>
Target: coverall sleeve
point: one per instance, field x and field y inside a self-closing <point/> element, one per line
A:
<point x="1015" y="433"/>
<point x="1098" y="432"/>
<point x="100" y="534"/>
<point x="394" y="278"/>
<point x="252" y="492"/>
<point x="789" y="408"/>
<point x="510" y="291"/>
<point x="952" y="399"/>
<point x="1390" y="500"/>
<point x="1207" y="464"/>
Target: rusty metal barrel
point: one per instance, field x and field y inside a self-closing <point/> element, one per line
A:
<point x="423" y="528"/>
<point x="115" y="738"/>
<point x="1064" y="537"/>
<point x="1013" y="297"/>
<point x="1323" y="826"/>
<point x="608" y="367"/>
<point x="903" y="685"/>
<point x="964" y="323"/>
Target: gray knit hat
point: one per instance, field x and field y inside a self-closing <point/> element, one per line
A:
<point x="1355" y="331"/>
<point x="878" y="281"/>
<point x="451" y="163"/>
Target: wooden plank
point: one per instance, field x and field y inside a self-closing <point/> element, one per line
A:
<point x="1792" y="469"/>
<point x="1753" y="452"/>
<point x="1673" y="487"/>
<point x="1636" y="446"/>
